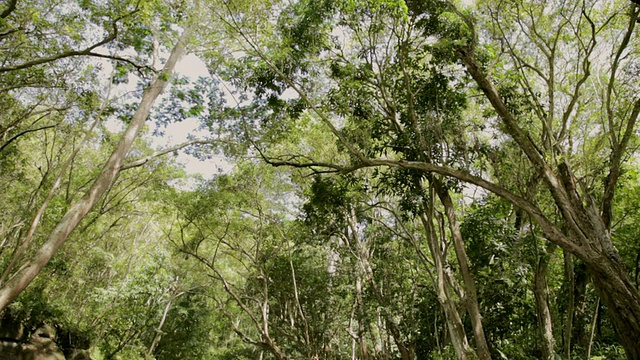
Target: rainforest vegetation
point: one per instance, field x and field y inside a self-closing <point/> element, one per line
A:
<point x="405" y="179"/>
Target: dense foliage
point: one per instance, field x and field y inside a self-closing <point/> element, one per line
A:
<point x="409" y="179"/>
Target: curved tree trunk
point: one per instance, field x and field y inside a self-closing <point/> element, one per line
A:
<point x="12" y="288"/>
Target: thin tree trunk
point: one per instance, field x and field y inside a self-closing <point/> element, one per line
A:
<point x="303" y="317"/>
<point x="350" y="237"/>
<point x="571" y="285"/>
<point x="592" y="331"/>
<point x="580" y="311"/>
<point x="545" y="323"/>
<point x="366" y="270"/>
<point x="13" y="287"/>
<point x="158" y="334"/>
<point x="463" y="261"/>
<point x="362" y="342"/>
<point x="454" y="322"/>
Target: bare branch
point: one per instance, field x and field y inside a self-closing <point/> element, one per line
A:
<point x="635" y="10"/>
<point x="24" y="133"/>
<point x="138" y="67"/>
<point x="63" y="55"/>
<point x="11" y="31"/>
<point x="159" y="153"/>
<point x="586" y="72"/>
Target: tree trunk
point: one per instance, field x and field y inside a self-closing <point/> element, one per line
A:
<point x="590" y="237"/>
<point x="570" y="278"/>
<point x="545" y="324"/>
<point x="580" y="317"/>
<point x="452" y="317"/>
<point x="12" y="288"/>
<point x="367" y="271"/>
<point x="158" y="333"/>
<point x="454" y="323"/>
<point x="592" y="329"/>
<point x="621" y="298"/>
<point x="463" y="261"/>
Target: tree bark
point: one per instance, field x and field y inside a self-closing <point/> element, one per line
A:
<point x="568" y="326"/>
<point x="463" y="261"/>
<point x="12" y="288"/>
<point x="454" y="323"/>
<point x="621" y="298"/>
<point x="545" y="324"/>
<point x="580" y="316"/>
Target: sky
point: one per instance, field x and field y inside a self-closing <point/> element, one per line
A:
<point x="177" y="133"/>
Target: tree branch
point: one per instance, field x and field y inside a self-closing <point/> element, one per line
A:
<point x="9" y="9"/>
<point x="586" y="72"/>
<point x="618" y="146"/>
<point x="547" y="226"/>
<point x="63" y="55"/>
<point x="550" y="230"/>
<point x="614" y="68"/>
<point x="159" y="153"/>
<point x="85" y="52"/>
<point x="118" y="58"/>
<point x="525" y="143"/>
<point x="24" y="133"/>
<point x="615" y="161"/>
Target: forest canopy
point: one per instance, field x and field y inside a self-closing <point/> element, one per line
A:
<point x="434" y="179"/>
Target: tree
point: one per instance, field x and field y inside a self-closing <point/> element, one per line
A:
<point x="407" y="75"/>
<point x="28" y="271"/>
<point x="458" y="181"/>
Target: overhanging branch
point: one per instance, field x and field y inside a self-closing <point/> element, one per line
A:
<point x="24" y="133"/>
<point x="144" y="160"/>
<point x="84" y="52"/>
<point x="550" y="230"/>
